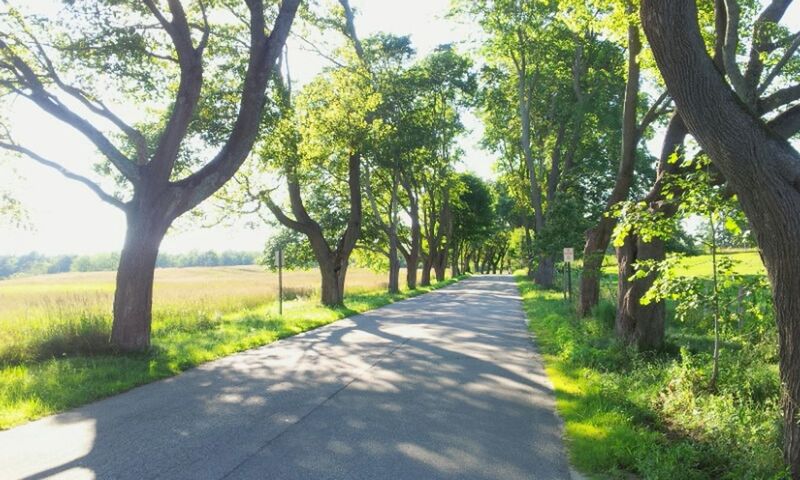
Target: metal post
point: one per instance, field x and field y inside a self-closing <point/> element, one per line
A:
<point x="280" y="282"/>
<point x="569" y="280"/>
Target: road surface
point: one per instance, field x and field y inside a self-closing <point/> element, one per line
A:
<point x="442" y="386"/>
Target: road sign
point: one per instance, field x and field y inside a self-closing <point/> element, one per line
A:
<point x="569" y="255"/>
<point x="279" y="258"/>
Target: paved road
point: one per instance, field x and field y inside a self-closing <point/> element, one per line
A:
<point x="443" y="386"/>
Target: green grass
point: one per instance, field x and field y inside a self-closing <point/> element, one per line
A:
<point x="746" y="262"/>
<point x="181" y="339"/>
<point x="631" y="415"/>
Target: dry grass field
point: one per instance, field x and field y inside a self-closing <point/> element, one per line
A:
<point x="213" y="289"/>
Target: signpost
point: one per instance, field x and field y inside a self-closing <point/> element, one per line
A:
<point x="569" y="257"/>
<point x="279" y="262"/>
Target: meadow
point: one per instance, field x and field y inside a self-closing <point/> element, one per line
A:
<point x="54" y="329"/>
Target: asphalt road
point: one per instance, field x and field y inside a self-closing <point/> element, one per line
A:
<point x="443" y="386"/>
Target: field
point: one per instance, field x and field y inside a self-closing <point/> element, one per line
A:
<point x="746" y="262"/>
<point x="54" y="329"/>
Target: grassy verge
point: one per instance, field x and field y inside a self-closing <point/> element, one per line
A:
<point x="630" y="415"/>
<point x="29" y="390"/>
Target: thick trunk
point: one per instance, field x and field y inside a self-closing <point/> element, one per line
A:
<point x="637" y="324"/>
<point x="456" y="271"/>
<point x="333" y="276"/>
<point x="593" y="254"/>
<point x="631" y="292"/>
<point x="412" y="261"/>
<point x="762" y="168"/>
<point x="394" y="261"/>
<point x="133" y="297"/>
<point x="412" y="254"/>
<point x="440" y="266"/>
<point x="598" y="237"/>
<point x="545" y="275"/>
<point x="425" y="279"/>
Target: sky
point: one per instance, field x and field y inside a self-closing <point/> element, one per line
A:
<point x="67" y="218"/>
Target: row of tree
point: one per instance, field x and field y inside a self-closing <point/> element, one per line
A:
<point x="571" y="91"/>
<point x="34" y="263"/>
<point x="364" y="155"/>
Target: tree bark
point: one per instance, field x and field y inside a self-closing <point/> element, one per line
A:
<point x="412" y="259"/>
<point x="761" y="167"/>
<point x="630" y="311"/>
<point x="545" y="272"/>
<point x="133" y="296"/>
<point x="425" y="279"/>
<point x="639" y="325"/>
<point x="599" y="236"/>
<point x="332" y="262"/>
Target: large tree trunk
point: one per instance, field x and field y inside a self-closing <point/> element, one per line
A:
<point x="456" y="270"/>
<point x="637" y="324"/>
<point x="133" y="297"/>
<point x="425" y="279"/>
<point x="762" y="168"/>
<point x="332" y="294"/>
<point x="394" y="261"/>
<point x="545" y="272"/>
<point x="593" y="254"/>
<point x="412" y="261"/>
<point x="440" y="265"/>
<point x="598" y="237"/>
<point x="630" y="292"/>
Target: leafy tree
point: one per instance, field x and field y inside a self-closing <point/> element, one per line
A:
<point x="473" y="220"/>
<point x="634" y="127"/>
<point x="537" y="109"/>
<point x="159" y="60"/>
<point x="721" y="111"/>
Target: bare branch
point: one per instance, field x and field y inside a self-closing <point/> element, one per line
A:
<point x="50" y="104"/>
<point x="761" y="43"/>
<point x="106" y="197"/>
<point x="657" y="109"/>
<point x="729" y="50"/>
<point x="776" y="70"/>
<point x="780" y="98"/>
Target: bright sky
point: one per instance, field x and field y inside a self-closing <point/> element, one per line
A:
<point x="69" y="218"/>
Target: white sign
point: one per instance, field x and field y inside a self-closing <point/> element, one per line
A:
<point x="279" y="258"/>
<point x="569" y="255"/>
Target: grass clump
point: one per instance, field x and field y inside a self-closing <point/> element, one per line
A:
<point x="58" y="361"/>
<point x="651" y="415"/>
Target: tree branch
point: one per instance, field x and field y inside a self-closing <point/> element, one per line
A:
<point x="106" y="197"/>
<point x="50" y="104"/>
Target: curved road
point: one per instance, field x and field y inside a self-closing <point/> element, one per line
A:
<point x="442" y="386"/>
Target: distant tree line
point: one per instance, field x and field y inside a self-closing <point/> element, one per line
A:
<point x="35" y="263"/>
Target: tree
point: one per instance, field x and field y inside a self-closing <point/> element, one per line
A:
<point x="642" y="323"/>
<point x="156" y="58"/>
<point x="633" y="129"/>
<point x="759" y="164"/>
<point x="320" y="157"/>
<point x="473" y="220"/>
<point x="551" y="90"/>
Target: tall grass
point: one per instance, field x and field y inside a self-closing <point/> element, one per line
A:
<point x="651" y="415"/>
<point x="70" y="314"/>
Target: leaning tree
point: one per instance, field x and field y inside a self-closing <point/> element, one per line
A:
<point x="760" y="165"/>
<point x="171" y="63"/>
